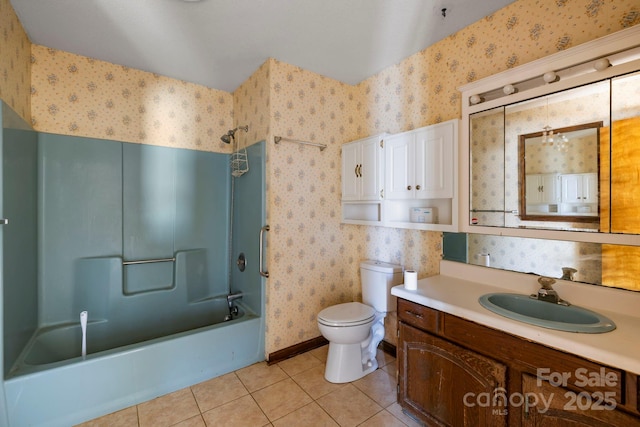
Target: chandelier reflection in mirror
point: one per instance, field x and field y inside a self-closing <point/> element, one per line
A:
<point x="558" y="142"/>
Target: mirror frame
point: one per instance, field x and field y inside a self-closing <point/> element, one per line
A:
<point x="522" y="176"/>
<point x="576" y="67"/>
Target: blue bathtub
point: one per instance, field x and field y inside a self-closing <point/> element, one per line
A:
<point x="56" y="387"/>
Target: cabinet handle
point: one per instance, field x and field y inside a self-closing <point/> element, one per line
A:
<point x="411" y="313"/>
<point x="417" y="187"/>
<point x="409" y="187"/>
<point x="355" y="171"/>
<point x="360" y="170"/>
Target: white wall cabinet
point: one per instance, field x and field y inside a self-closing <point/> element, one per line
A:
<point x="579" y="188"/>
<point x="542" y="188"/>
<point x="417" y="169"/>
<point x="421" y="172"/>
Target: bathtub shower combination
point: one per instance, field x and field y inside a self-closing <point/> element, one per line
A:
<point x="119" y="279"/>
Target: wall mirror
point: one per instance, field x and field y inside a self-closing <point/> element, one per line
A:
<point x="532" y="162"/>
<point x="558" y="174"/>
<point x="591" y="102"/>
<point x="589" y="263"/>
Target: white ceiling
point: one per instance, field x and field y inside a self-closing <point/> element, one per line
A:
<point x="220" y="43"/>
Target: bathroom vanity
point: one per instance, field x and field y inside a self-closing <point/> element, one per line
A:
<point x="460" y="364"/>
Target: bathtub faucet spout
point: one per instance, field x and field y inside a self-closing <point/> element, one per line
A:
<point x="233" y="310"/>
<point x="232" y="297"/>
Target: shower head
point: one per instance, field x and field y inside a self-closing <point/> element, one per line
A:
<point x="230" y="135"/>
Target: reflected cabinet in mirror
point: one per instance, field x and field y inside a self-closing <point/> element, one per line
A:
<point x="566" y="161"/>
<point x="558" y="174"/>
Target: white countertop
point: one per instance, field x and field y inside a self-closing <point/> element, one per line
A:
<point x="457" y="289"/>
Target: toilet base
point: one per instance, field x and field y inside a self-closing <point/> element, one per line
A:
<point x="344" y="363"/>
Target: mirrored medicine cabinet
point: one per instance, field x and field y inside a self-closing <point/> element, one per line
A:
<point x="553" y="165"/>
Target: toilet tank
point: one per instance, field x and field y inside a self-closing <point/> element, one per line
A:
<point x="377" y="279"/>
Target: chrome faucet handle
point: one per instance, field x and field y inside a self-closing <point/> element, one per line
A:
<point x="546" y="282"/>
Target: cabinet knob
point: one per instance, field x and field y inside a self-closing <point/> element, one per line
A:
<point x="409" y="187"/>
<point x="417" y="187"/>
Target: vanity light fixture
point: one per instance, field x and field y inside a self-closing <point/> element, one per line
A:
<point x="475" y="99"/>
<point x="550" y="77"/>
<point x="601" y="64"/>
<point x="509" y="89"/>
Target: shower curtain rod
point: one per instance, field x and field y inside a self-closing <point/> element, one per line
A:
<point x="277" y="139"/>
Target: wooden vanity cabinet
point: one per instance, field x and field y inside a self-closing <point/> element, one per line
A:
<point x="453" y="372"/>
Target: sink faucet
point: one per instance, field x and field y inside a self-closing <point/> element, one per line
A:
<point x="547" y="293"/>
<point x="568" y="273"/>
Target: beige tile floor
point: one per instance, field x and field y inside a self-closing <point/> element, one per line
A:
<point x="290" y="393"/>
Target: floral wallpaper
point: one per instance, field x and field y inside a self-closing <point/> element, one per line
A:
<point x="76" y="95"/>
<point x="15" y="66"/>
<point x="313" y="259"/>
<point x="422" y="89"/>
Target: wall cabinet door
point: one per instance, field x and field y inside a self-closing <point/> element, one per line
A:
<point x="362" y="170"/>
<point x="441" y="381"/>
<point x="434" y="162"/>
<point x="542" y="188"/>
<point x="420" y="163"/>
<point x="350" y="178"/>
<point x="579" y="188"/>
<point x="400" y="164"/>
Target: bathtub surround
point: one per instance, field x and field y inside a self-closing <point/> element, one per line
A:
<point x="281" y="99"/>
<point x="86" y="211"/>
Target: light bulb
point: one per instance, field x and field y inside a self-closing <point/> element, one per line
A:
<point x="508" y="89"/>
<point x="549" y="77"/>
<point x="601" y="64"/>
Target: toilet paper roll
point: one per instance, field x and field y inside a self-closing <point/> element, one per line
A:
<point x="484" y="259"/>
<point x="411" y="280"/>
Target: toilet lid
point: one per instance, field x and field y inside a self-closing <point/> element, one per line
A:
<point x="347" y="314"/>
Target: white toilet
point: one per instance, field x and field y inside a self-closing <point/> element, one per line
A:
<point x="354" y="329"/>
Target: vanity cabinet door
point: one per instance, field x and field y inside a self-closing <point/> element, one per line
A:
<point x="441" y="382"/>
<point x="550" y="406"/>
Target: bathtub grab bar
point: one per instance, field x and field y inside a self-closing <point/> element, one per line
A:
<point x="148" y="261"/>
<point x="262" y="272"/>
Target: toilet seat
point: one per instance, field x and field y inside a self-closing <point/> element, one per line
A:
<point x="347" y="315"/>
